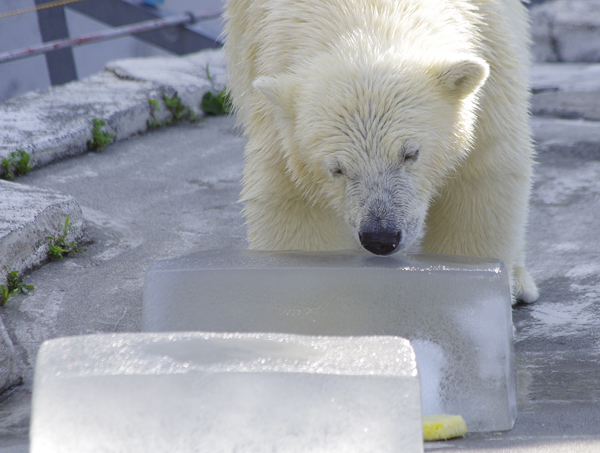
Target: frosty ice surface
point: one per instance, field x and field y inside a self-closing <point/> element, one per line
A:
<point x="226" y="393"/>
<point x="455" y="311"/>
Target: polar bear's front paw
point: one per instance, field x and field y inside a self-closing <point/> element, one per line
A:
<point x="524" y="288"/>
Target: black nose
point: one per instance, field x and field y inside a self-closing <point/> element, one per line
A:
<point x="380" y="242"/>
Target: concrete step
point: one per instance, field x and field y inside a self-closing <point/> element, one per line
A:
<point x="566" y="108"/>
<point x="577" y="105"/>
<point x="574" y="138"/>
<point x="579" y="77"/>
<point x="566" y="30"/>
<point x="29" y="215"/>
<point x="568" y="91"/>
<point x="11" y="370"/>
<point x="57" y="123"/>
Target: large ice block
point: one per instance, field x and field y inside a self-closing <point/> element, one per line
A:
<point x="226" y="393"/>
<point x="456" y="311"/>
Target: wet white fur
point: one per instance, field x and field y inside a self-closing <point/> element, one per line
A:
<point x="336" y="96"/>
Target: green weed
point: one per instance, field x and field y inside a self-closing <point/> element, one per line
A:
<point x="58" y="246"/>
<point x="100" y="138"/>
<point x="215" y="102"/>
<point x="154" y="109"/>
<point x="4" y="295"/>
<point x="179" y="110"/>
<point x="16" y="164"/>
<point x="13" y="286"/>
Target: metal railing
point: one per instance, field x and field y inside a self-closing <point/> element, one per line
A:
<point x="178" y="34"/>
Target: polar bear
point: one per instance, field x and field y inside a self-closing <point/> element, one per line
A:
<point x="379" y="124"/>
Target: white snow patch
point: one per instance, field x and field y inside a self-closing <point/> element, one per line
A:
<point x="559" y="319"/>
<point x="86" y="172"/>
<point x="584" y="270"/>
<point x="558" y="185"/>
<point x="565" y="247"/>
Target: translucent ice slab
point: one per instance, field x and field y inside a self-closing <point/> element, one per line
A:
<point x="455" y="310"/>
<point x="226" y="393"/>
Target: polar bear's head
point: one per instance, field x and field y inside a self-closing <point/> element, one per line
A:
<point x="373" y="140"/>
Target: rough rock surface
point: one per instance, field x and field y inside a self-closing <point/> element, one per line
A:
<point x="566" y="30"/>
<point x="28" y="216"/>
<point x="11" y="369"/>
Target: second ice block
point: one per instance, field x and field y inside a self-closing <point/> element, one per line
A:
<point x="226" y="393"/>
<point x="456" y="312"/>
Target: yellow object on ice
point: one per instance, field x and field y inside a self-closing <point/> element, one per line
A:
<point x="440" y="427"/>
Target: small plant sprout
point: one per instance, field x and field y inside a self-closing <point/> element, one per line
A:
<point x="179" y="110"/>
<point x="215" y="102"/>
<point x="58" y="246"/>
<point x="100" y="138"/>
<point x="209" y="77"/>
<point x="153" y="122"/>
<point x="4" y="295"/>
<point x="13" y="286"/>
<point x="16" y="164"/>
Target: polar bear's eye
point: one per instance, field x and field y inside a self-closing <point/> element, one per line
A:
<point x="334" y="167"/>
<point x="336" y="171"/>
<point x="410" y="150"/>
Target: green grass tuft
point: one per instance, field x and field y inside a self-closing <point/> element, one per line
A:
<point x="178" y="109"/>
<point x="16" y="164"/>
<point x="215" y="102"/>
<point x="58" y="246"/>
<point x="100" y="138"/>
<point x="13" y="286"/>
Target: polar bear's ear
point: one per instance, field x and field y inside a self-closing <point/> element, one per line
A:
<point x="280" y="91"/>
<point x="461" y="78"/>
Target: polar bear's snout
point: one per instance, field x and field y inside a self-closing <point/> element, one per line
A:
<point x="380" y="242"/>
<point x="383" y="210"/>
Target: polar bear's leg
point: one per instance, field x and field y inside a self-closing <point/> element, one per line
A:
<point x="482" y="211"/>
<point x="524" y="288"/>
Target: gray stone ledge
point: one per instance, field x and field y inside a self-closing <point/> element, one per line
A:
<point x="566" y="90"/>
<point x="569" y="138"/>
<point x="575" y="105"/>
<point x="27" y="216"/>
<point x="566" y="30"/>
<point x="57" y="123"/>
<point x="11" y="370"/>
<point x="579" y="77"/>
